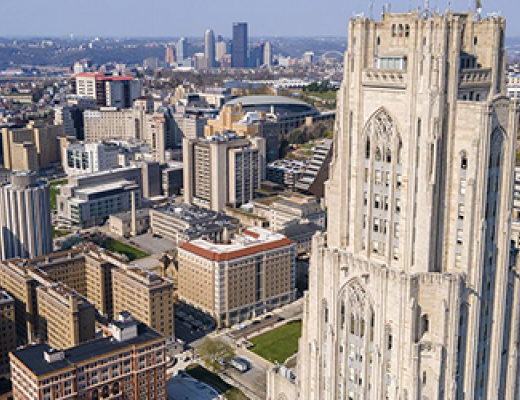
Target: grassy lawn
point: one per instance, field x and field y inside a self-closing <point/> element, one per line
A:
<point x="116" y="246"/>
<point x="330" y="95"/>
<point x="55" y="191"/>
<point x="202" y="374"/>
<point x="279" y="344"/>
<point x="59" y="232"/>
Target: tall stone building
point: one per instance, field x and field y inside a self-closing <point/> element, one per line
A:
<point x="414" y="290"/>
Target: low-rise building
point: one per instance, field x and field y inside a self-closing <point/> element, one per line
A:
<point x="87" y="158"/>
<point x="282" y="211"/>
<point x="128" y="363"/>
<point x="317" y="170"/>
<point x="182" y="222"/>
<point x="240" y="278"/>
<point x="286" y="172"/>
<point x="88" y="200"/>
<point x="126" y="225"/>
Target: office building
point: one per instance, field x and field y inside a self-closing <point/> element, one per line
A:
<point x="147" y="296"/>
<point x="31" y="148"/>
<point x="181" y="222"/>
<point x="221" y="49"/>
<point x="137" y="123"/>
<point x="71" y="117"/>
<point x="222" y="170"/>
<point x="282" y="211"/>
<point x="308" y="57"/>
<point x="268" y="54"/>
<point x="129" y="362"/>
<point x="88" y="200"/>
<point x="238" y="278"/>
<point x="8" y="328"/>
<point x="182" y="49"/>
<point x="172" y="178"/>
<point x="169" y="56"/>
<point x="256" y="56"/>
<point x="107" y="91"/>
<point x="89" y="157"/>
<point x="25" y="217"/>
<point x="240" y="45"/>
<point x="413" y="289"/>
<point x="209" y="48"/>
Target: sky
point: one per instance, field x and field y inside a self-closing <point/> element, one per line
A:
<point x="174" y="18"/>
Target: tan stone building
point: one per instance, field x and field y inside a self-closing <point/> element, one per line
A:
<point x="129" y="362"/>
<point x="46" y="310"/>
<point x="147" y="296"/>
<point x="222" y="170"/>
<point x="33" y="147"/>
<point x="7" y="330"/>
<point x="65" y="319"/>
<point x="414" y="289"/>
<point x="50" y="295"/>
<point x="237" y="279"/>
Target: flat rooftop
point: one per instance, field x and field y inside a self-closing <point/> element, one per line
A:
<point x="251" y="241"/>
<point x="33" y="356"/>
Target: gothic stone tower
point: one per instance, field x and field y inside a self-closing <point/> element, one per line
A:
<point x="414" y="289"/>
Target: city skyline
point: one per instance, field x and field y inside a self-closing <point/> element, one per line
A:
<point x="330" y="19"/>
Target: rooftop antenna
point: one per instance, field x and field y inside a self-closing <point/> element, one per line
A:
<point x="426" y="8"/>
<point x="372" y="9"/>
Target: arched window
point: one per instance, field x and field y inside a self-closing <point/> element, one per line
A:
<point x="407" y="31"/>
<point x="424" y="378"/>
<point x="390" y="341"/>
<point x="367" y="151"/>
<point x="388" y="155"/>
<point x="401" y="30"/>
<point x="352" y="324"/>
<point x="394" y="30"/>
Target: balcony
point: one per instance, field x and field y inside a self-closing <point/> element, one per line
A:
<point x="475" y="78"/>
<point x="385" y="78"/>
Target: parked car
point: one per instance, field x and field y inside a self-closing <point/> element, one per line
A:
<point x="240" y="364"/>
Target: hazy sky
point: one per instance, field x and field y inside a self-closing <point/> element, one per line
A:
<point x="171" y="18"/>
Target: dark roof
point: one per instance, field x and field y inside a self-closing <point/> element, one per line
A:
<point x="294" y="231"/>
<point x="282" y="105"/>
<point x="33" y="356"/>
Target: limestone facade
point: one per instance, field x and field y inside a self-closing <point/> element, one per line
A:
<point x="414" y="289"/>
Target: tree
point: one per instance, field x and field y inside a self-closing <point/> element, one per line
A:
<point x="214" y="350"/>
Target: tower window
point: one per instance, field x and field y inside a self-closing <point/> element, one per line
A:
<point x="425" y="323"/>
<point x="367" y="153"/>
<point x="390" y="341"/>
<point x="463" y="162"/>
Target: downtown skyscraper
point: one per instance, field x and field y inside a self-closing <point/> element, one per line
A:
<point x="240" y="45"/>
<point x="414" y="289"/>
<point x="209" y="48"/>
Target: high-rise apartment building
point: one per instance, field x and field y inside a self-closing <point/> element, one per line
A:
<point x="222" y="170"/>
<point x="240" y="45"/>
<point x="414" y="288"/>
<point x="240" y="277"/>
<point x="8" y="330"/>
<point x="33" y="147"/>
<point x="108" y="91"/>
<point x="25" y="217"/>
<point x="209" y="48"/>
<point x="129" y="362"/>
